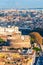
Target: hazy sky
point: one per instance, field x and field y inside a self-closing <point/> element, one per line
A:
<point x="21" y="4"/>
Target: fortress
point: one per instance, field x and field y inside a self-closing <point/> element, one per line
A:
<point x="17" y="40"/>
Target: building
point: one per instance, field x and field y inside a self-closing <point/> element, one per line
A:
<point x="8" y="31"/>
<point x="13" y="58"/>
<point x="17" y="40"/>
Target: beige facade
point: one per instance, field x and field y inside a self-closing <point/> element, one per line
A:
<point x="14" y="35"/>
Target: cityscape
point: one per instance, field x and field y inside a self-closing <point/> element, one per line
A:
<point x="21" y="32"/>
<point x="21" y="37"/>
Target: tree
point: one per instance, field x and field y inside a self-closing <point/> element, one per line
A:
<point x="37" y="49"/>
<point x="32" y="40"/>
<point x="1" y="41"/>
<point x="37" y="37"/>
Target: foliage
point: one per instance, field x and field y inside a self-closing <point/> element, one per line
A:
<point x="37" y="49"/>
<point x="37" y="37"/>
<point x="32" y="40"/>
<point x="1" y="40"/>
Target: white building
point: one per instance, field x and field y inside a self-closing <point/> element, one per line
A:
<point x="9" y="30"/>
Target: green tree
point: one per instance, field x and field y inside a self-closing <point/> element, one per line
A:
<point x="1" y="40"/>
<point x="37" y="49"/>
<point x="32" y="40"/>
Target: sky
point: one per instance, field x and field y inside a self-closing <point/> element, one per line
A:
<point x="21" y="4"/>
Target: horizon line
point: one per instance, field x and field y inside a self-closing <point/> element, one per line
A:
<point x="19" y="8"/>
